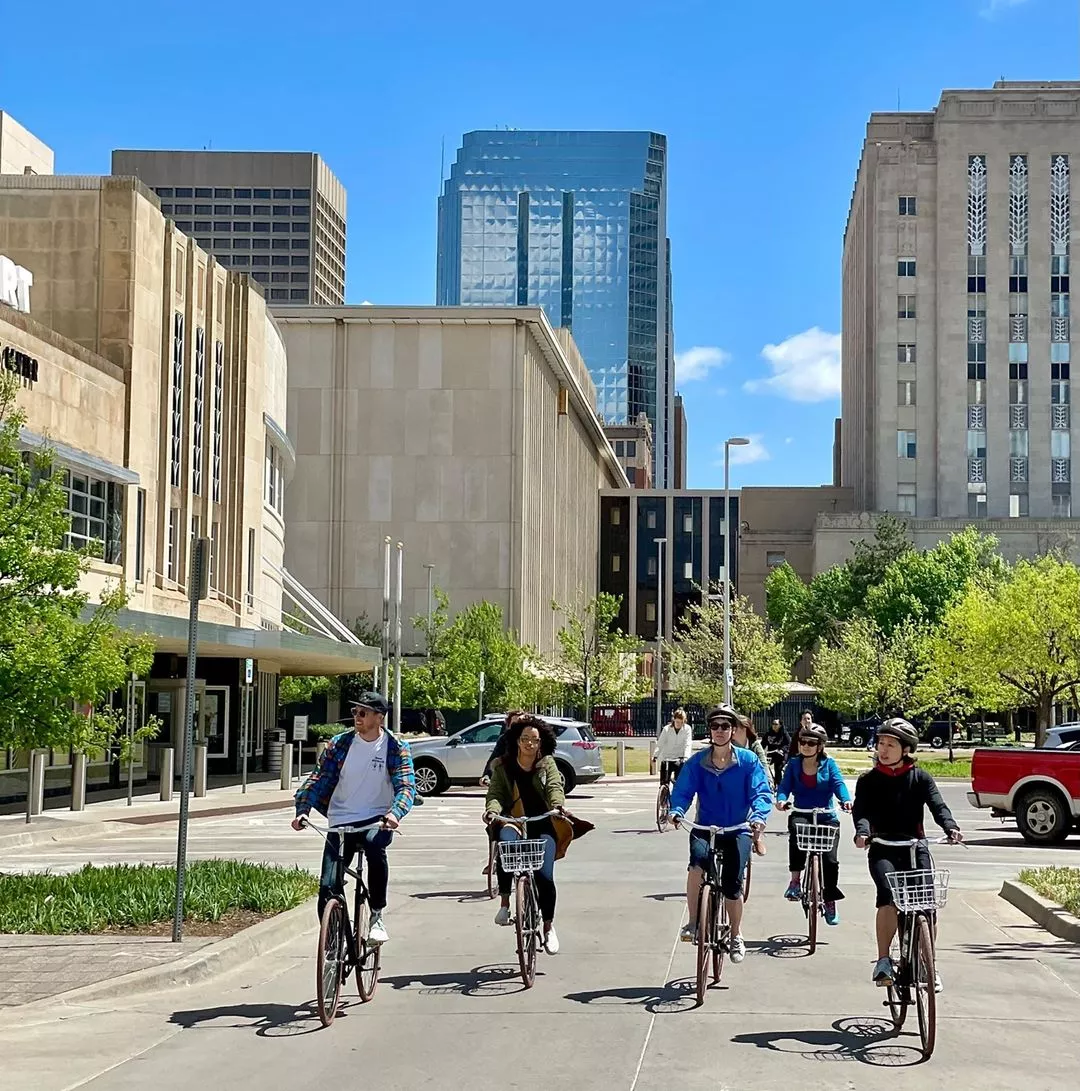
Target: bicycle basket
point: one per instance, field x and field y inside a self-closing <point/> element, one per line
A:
<point x="519" y="856"/>
<point x="913" y="891"/>
<point x="816" y="838"/>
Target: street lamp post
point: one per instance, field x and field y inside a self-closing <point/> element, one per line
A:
<point x="430" y="569"/>
<point x="734" y="441"/>
<point x="660" y="543"/>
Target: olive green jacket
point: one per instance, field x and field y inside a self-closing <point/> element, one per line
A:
<point x="503" y="797"/>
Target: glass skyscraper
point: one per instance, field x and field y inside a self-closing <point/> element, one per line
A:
<point x="576" y="223"/>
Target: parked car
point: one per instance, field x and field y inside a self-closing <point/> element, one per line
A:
<point x="423" y="721"/>
<point x="1041" y="788"/>
<point x="460" y="759"/>
<point x="1062" y="735"/>
<point x="935" y="733"/>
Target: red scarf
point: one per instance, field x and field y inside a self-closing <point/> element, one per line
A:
<point x="897" y="770"/>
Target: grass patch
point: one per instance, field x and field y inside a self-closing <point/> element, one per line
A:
<point x="1058" y="884"/>
<point x="96" y="899"/>
<point x="637" y="759"/>
<point x="852" y="766"/>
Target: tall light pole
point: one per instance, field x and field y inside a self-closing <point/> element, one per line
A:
<point x="397" y="640"/>
<point x="734" y="441"/>
<point x="430" y="569"/>
<point x="386" y="620"/>
<point x="660" y="543"/>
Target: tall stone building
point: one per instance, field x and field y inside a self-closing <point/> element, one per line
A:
<point x="956" y="303"/>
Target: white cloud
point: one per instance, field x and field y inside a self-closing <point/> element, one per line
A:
<point x="996" y="7"/>
<point x="789" y="439"/>
<point x="697" y="362"/>
<point x="806" y="367"/>
<point x="745" y="454"/>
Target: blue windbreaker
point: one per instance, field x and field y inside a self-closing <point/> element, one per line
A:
<point x="830" y="783"/>
<point x="739" y="794"/>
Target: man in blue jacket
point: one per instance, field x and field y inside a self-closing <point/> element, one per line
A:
<point x="731" y="790"/>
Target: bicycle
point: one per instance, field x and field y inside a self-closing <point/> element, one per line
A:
<point x="713" y="931"/>
<point x="489" y="871"/>
<point x="816" y="839"/>
<point x="918" y="894"/>
<point x="520" y="859"/>
<point x="343" y="949"/>
<point x="663" y="797"/>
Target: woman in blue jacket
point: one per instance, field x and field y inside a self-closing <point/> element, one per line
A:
<point x="812" y="780"/>
<point x="731" y="789"/>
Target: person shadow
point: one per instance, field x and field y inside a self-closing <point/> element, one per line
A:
<point x="670" y="998"/>
<point x="860" y="1039"/>
<point x="267" y="1020"/>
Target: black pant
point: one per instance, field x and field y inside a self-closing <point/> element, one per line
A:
<point x="373" y="842"/>
<point x="669" y="771"/>
<point x="830" y="865"/>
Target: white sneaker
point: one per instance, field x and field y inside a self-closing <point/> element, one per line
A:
<point x="377" y="934"/>
<point x="551" y="942"/>
<point x="738" y="949"/>
<point x="503" y="916"/>
<point x="938" y="986"/>
<point x="688" y="933"/>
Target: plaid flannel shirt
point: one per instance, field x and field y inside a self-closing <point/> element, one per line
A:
<point x="315" y="792"/>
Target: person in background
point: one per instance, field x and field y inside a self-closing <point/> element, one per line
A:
<point x="745" y="736"/>
<point x="776" y="748"/>
<point x="674" y="745"/>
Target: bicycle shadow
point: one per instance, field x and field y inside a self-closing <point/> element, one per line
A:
<point x="482" y="981"/>
<point x="461" y="896"/>
<point x="681" y="894"/>
<point x="267" y="1020"/>
<point x="870" y="1041"/>
<point x="675" y="996"/>
<point x="789" y="946"/>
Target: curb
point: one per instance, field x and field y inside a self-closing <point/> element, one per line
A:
<point x="57" y="835"/>
<point x="215" y="958"/>
<point x="1046" y="914"/>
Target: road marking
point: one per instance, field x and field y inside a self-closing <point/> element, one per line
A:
<point x="652" y="1020"/>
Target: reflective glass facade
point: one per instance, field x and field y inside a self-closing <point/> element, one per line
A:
<point x="576" y="223"/>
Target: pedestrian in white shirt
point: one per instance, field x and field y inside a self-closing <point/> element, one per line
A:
<point x="674" y="746"/>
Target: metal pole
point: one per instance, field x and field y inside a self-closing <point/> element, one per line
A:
<point x="430" y="569"/>
<point x="660" y="542"/>
<point x="386" y="618"/>
<point x="199" y="550"/>
<point x="727" y="572"/>
<point x="245" y="713"/>
<point x="131" y="739"/>
<point x="397" y="637"/>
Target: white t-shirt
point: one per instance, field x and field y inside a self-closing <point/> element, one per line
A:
<point x="364" y="788"/>
<point x="675" y="745"/>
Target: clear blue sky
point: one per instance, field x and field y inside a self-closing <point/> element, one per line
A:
<point x="764" y="106"/>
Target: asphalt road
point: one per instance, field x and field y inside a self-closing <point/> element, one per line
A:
<point x="614" y="1009"/>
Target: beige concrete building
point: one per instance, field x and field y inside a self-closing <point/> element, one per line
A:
<point x="957" y="329"/>
<point x="20" y="151"/>
<point x="467" y="433"/>
<point x="678" y="460"/>
<point x="159" y="380"/>
<point x="633" y="448"/>
<point x="279" y="216"/>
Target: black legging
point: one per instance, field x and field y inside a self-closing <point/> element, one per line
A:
<point x="830" y="865"/>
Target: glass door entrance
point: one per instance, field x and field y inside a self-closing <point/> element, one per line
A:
<point x="166" y="698"/>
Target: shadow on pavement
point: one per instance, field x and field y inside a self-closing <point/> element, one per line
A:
<point x="654" y="830"/>
<point x="457" y="895"/>
<point x="483" y="981"/>
<point x="666" y="897"/>
<point x="781" y="946"/>
<point x="672" y="998"/>
<point x="859" y="1039"/>
<point x="1015" y="952"/>
<point x="1015" y="842"/>
<point x="267" y="1020"/>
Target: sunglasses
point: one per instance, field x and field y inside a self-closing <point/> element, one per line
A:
<point x="809" y="742"/>
<point x="721" y="725"/>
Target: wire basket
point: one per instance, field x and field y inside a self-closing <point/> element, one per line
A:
<point x="519" y="856"/>
<point x="913" y="891"/>
<point x="820" y="837"/>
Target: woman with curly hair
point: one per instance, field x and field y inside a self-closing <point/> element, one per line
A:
<point x="525" y="782"/>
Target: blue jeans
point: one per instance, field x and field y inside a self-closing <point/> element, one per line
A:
<point x="373" y="842"/>
<point x="736" y="849"/>
<point x="544" y="878"/>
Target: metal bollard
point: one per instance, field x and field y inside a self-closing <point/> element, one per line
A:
<point x="78" y="782"/>
<point x="620" y="758"/>
<point x="286" y="766"/>
<point x="167" y="755"/>
<point x="35" y="784"/>
<point x="200" y="770"/>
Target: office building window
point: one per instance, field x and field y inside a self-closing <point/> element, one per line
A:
<point x="164" y="191"/>
<point x="177" y="400"/>
<point x="905" y="306"/>
<point x="166" y="210"/>
<point x="1018" y="505"/>
<point x="301" y="194"/>
<point x="282" y="194"/>
<point x="251" y="567"/>
<point x="905" y="268"/>
<point x="905" y="444"/>
<point x="688" y="523"/>
<point x="218" y="419"/>
<point x="172" y="551"/>
<point x="200" y="410"/>
<point x="1061" y="506"/>
<point x="650" y="611"/>
<point x="977" y="505"/>
<point x="279" y="295"/>
<point x="96" y="509"/>
<point x="616" y="515"/>
<point x="242" y="194"/>
<point x="203" y="191"/>
<point x="616" y="562"/>
<point x="905" y="353"/>
<point x="650" y="519"/>
<point x="261" y="227"/>
<point x="242" y="225"/>
<point x="301" y="210"/>
<point x="262" y="194"/>
<point x="774" y="558"/>
<point x="650" y="566"/>
<point x="907" y="206"/>
<point x="299" y="244"/>
<point x="275" y="482"/>
<point x="184" y="191"/>
<point x="297" y="295"/>
<point x="222" y="244"/>
<point x="220" y="192"/>
<point x="204" y="210"/>
<point x="905" y="498"/>
<point x="905" y="392"/>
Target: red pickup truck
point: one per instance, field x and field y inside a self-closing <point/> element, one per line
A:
<point x="1040" y="787"/>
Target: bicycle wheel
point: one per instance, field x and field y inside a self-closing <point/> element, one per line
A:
<point x="663" y="807"/>
<point x="368" y="955"/>
<point x="492" y="874"/>
<point x="746" y="879"/>
<point x="898" y="994"/>
<point x="705" y="938"/>
<point x="527" y="926"/>
<point x="922" y="981"/>
<point x="721" y="936"/>
<point x="813" y="900"/>
<point x="330" y="960"/>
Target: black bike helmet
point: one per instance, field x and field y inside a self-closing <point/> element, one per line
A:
<point x="900" y="729"/>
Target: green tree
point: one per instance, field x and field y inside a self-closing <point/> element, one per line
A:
<point x="302" y="689"/>
<point x="52" y="662"/>
<point x="760" y="665"/>
<point x="1022" y="632"/>
<point x="599" y="660"/>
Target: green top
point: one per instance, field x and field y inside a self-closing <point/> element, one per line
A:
<point x="546" y="781"/>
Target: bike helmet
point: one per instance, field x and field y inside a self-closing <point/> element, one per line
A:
<point x="815" y="732"/>
<point x="725" y="712"/>
<point x="900" y="729"/>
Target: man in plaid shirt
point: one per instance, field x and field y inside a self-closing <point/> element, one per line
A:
<point x="365" y="777"/>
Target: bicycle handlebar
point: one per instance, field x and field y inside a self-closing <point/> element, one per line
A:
<point x="324" y="831"/>
<point x="508" y="820"/>
<point x="913" y="841"/>
<point x="714" y="830"/>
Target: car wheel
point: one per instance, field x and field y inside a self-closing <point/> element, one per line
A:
<point x="858" y="739"/>
<point x="568" y="778"/>
<point x="1041" y="817"/>
<point x="430" y="778"/>
<point x="938" y="741"/>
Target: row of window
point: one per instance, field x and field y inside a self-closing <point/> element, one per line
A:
<point x="219" y="244"/>
<point x="236" y="210"/>
<point x="240" y="193"/>
<point x="1060" y="503"/>
<point x="264" y="260"/>
<point x="274" y="483"/>
<point x="258" y="227"/>
<point x="626" y="448"/>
